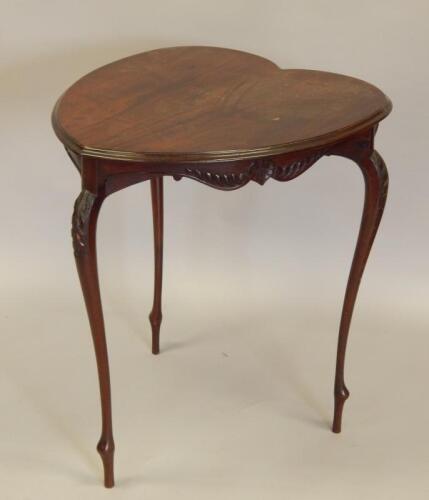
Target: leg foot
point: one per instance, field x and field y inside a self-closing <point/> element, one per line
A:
<point x="155" y="317"/>
<point x="341" y="395"/>
<point x="106" y="449"/>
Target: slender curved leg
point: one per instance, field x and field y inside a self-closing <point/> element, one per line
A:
<point x="155" y="317"/>
<point x="376" y="185"/>
<point x="84" y="224"/>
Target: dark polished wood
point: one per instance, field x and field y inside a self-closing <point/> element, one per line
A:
<point x="155" y="317"/>
<point x="202" y="103"/>
<point x="223" y="118"/>
<point x="376" y="186"/>
<point x="84" y="223"/>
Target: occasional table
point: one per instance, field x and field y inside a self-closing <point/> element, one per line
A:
<point x="224" y="118"/>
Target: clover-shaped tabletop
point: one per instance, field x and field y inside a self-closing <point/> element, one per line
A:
<point x="205" y="104"/>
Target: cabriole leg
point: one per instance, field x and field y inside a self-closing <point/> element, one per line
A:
<point x="155" y="316"/>
<point x="376" y="185"/>
<point x="84" y="224"/>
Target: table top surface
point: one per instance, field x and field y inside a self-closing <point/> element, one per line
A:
<point x="210" y="104"/>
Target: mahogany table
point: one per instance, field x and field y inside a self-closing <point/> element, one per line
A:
<point x="221" y="117"/>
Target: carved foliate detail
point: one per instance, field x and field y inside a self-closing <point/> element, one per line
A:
<point x="380" y="166"/>
<point x="218" y="180"/>
<point x="80" y="221"/>
<point x="259" y="171"/>
<point x="383" y="177"/>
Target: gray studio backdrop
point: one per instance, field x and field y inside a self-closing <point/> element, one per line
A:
<point x="261" y="270"/>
